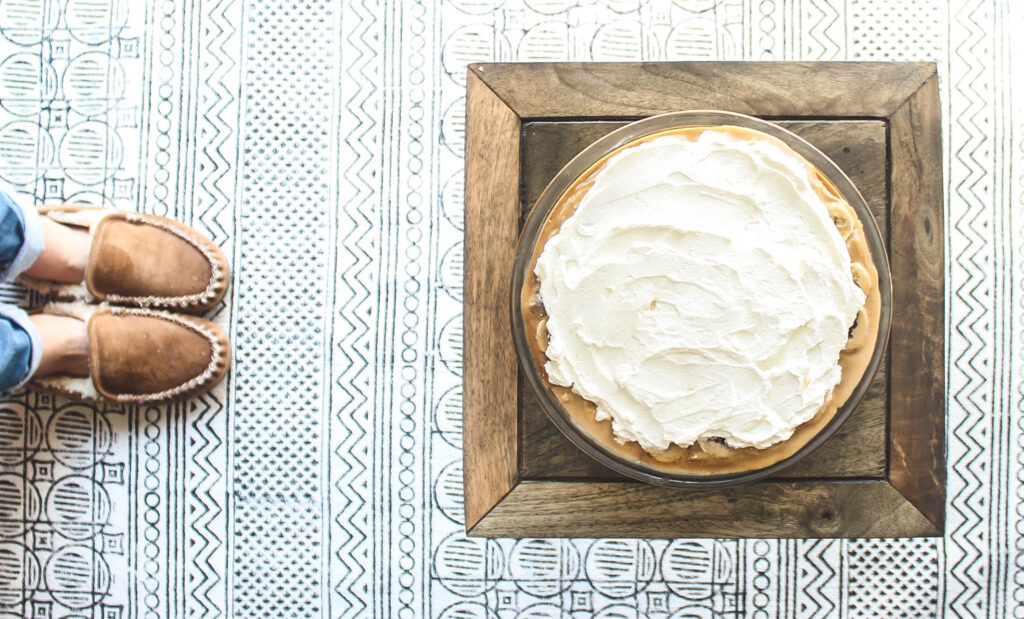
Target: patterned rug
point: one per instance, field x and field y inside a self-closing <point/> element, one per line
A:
<point x="320" y="143"/>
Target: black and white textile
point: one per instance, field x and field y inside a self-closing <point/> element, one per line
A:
<point x="320" y="143"/>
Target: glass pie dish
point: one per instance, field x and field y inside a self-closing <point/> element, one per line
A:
<point x="691" y="468"/>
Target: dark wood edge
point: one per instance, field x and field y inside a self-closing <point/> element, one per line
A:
<point x="805" y="509"/>
<point x="490" y="417"/>
<point x="917" y="448"/>
<point x="555" y="90"/>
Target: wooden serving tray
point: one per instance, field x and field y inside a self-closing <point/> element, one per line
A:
<point x="881" y="475"/>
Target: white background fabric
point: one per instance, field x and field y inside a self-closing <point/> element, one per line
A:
<point x="320" y="143"/>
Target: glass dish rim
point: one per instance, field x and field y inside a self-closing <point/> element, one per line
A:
<point x="564" y="179"/>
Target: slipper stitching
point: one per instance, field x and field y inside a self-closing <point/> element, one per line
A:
<point x="216" y="272"/>
<point x="216" y="357"/>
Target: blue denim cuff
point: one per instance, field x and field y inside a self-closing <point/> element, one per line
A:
<point x="19" y="319"/>
<point x="32" y="233"/>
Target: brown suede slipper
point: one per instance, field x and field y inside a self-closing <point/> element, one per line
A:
<point x="142" y="356"/>
<point x="140" y="260"/>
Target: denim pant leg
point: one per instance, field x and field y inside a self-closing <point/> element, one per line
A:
<point x="21" y="242"/>
<point x="21" y="235"/>
<point x="20" y="348"/>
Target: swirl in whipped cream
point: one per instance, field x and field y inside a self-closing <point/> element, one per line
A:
<point x="699" y="290"/>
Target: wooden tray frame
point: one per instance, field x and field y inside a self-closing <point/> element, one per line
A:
<point x="908" y="502"/>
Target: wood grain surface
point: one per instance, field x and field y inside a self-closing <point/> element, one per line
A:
<point x="764" y="509"/>
<point x="489" y="361"/>
<point x="917" y="345"/>
<point x="858" y="449"/>
<point x="631" y="90"/>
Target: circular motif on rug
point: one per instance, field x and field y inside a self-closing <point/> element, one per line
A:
<point x="78" y="436"/>
<point x="453" y="199"/>
<point x="77" y="576"/>
<point x="450" y="271"/>
<point x="453" y="127"/>
<point x="449" y="345"/>
<point x="448" y="416"/>
<point x="20" y="434"/>
<point x="93" y="83"/>
<point x="697" y="6"/>
<point x="544" y="567"/>
<point x="693" y="39"/>
<point x="26" y="151"/>
<point x="548" y="41"/>
<point x="26" y="84"/>
<point x="20" y="505"/>
<point x="619" y="41"/>
<point x="468" y="567"/>
<point x="476" y="7"/>
<point x="90" y="152"/>
<point x="468" y="610"/>
<point x="448" y="492"/>
<point x="472" y="43"/>
<point x="78" y="507"/>
<point x="549" y="7"/>
<point x="619" y="611"/>
<point x="28" y="22"/>
<point x="19" y="573"/>
<point x="543" y="611"/>
<point x="620" y="568"/>
<point x="688" y="568"/>
<point x="96" y="21"/>
<point x="626" y="6"/>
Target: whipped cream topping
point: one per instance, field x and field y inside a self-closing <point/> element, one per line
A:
<point x="699" y="290"/>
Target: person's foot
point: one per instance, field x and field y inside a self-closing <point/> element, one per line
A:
<point x="130" y="355"/>
<point x="65" y="343"/>
<point x="65" y="254"/>
<point x="125" y="258"/>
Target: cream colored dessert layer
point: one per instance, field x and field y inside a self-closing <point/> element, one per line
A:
<point x="700" y="289"/>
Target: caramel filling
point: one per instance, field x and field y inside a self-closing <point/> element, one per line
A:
<point x="712" y="456"/>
